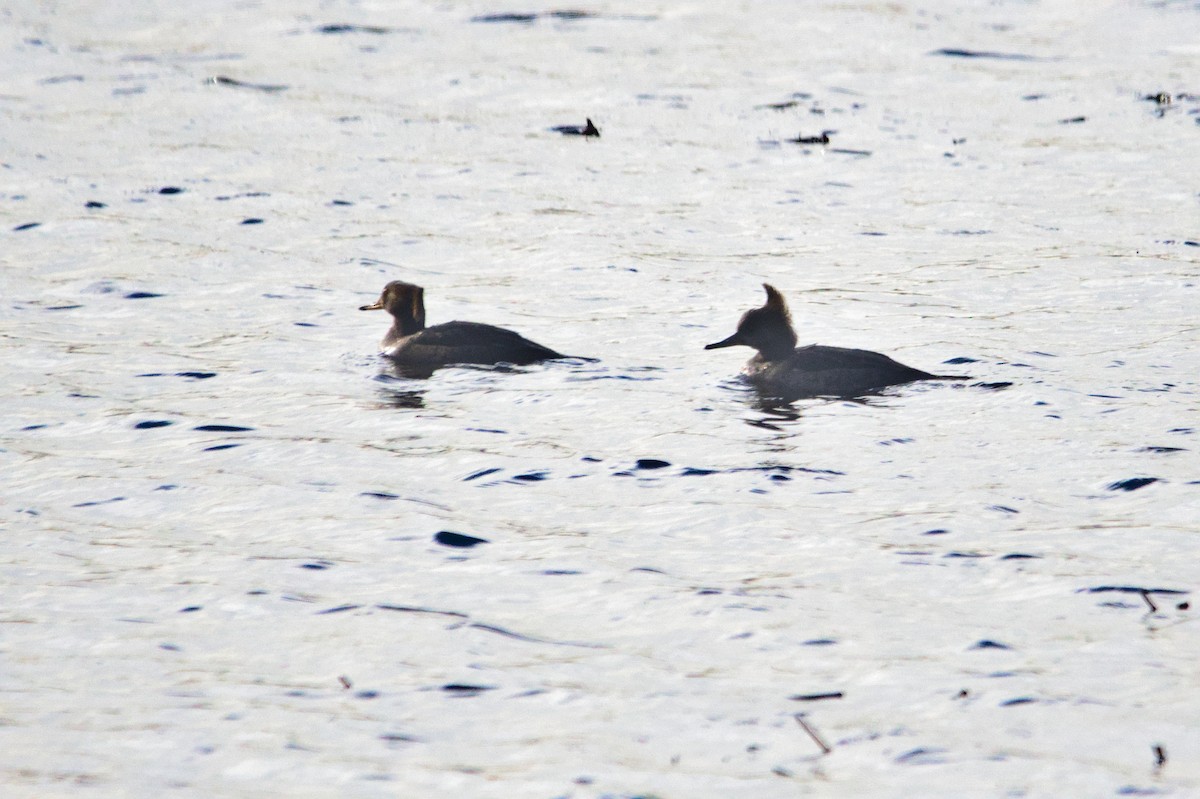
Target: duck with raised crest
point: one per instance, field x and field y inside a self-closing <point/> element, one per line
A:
<point x="781" y="370"/>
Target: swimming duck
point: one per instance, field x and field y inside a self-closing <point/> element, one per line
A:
<point x="781" y="370"/>
<point x="418" y="350"/>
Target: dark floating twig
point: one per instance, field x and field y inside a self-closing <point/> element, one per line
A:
<point x="1072" y="120"/>
<point x="816" y="697"/>
<point x="414" y="609"/>
<point x="804" y="725"/>
<point x="505" y="17"/>
<point x="955" y="52"/>
<point x="1132" y="589"/>
<point x="564" y="14"/>
<point x="491" y="628"/>
<point x="345" y="681"/>
<point x="466" y="689"/>
<point x="588" y="129"/>
<point x="822" y="139"/>
<point x="379" y="495"/>
<point x="222" y="428"/>
<point x="346" y="27"/>
<point x="338" y="609"/>
<point x="269" y="88"/>
<point x="1160" y="756"/>
<point x="1149" y="601"/>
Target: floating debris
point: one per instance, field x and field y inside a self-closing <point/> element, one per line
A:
<point x="955" y="52"/>
<point x="269" y="88"/>
<point x="588" y="129"/>
<point x="450" y="539"/>
<point x="821" y="139"/>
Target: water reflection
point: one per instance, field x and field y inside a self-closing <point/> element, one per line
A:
<point x="404" y="400"/>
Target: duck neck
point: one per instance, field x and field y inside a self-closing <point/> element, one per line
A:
<point x="779" y="344"/>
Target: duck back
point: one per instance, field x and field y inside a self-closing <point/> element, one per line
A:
<point x="821" y="371"/>
<point x="464" y="343"/>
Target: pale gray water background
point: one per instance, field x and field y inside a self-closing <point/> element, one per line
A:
<point x="183" y="609"/>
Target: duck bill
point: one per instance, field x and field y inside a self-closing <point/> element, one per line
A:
<point x="375" y="306"/>
<point x="732" y="341"/>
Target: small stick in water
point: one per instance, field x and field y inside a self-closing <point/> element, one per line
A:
<point x="799" y="717"/>
<point x="1149" y="601"/>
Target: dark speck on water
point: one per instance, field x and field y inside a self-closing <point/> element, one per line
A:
<point x="338" y="609"/>
<point x="219" y="447"/>
<point x="464" y="689"/>
<point x="343" y="27"/>
<point x="222" y="428"/>
<point x="1132" y="484"/>
<point x="141" y="295"/>
<point x="94" y="204"/>
<point x="151" y="424"/>
<point x="170" y="190"/>
<point x="505" y="17"/>
<point x="27" y="226"/>
<point x="821" y="139"/>
<point x="955" y="52"/>
<point x="269" y="88"/>
<point x="988" y="644"/>
<point x="253" y="220"/>
<point x="651" y="463"/>
<point x="588" y="129"/>
<point x="451" y="539"/>
<point x="379" y="495"/>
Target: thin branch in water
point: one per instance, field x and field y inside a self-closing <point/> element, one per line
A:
<point x="799" y="717"/>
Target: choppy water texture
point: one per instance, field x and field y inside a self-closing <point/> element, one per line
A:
<point x="240" y="559"/>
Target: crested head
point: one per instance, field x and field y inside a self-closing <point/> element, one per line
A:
<point x="767" y="329"/>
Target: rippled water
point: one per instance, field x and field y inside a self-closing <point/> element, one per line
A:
<point x="226" y="561"/>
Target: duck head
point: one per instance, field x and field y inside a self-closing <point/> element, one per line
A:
<point x="405" y="302"/>
<point x="767" y="329"/>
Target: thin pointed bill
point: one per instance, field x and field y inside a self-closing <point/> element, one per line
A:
<point x="375" y="306"/>
<point x="732" y="341"/>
